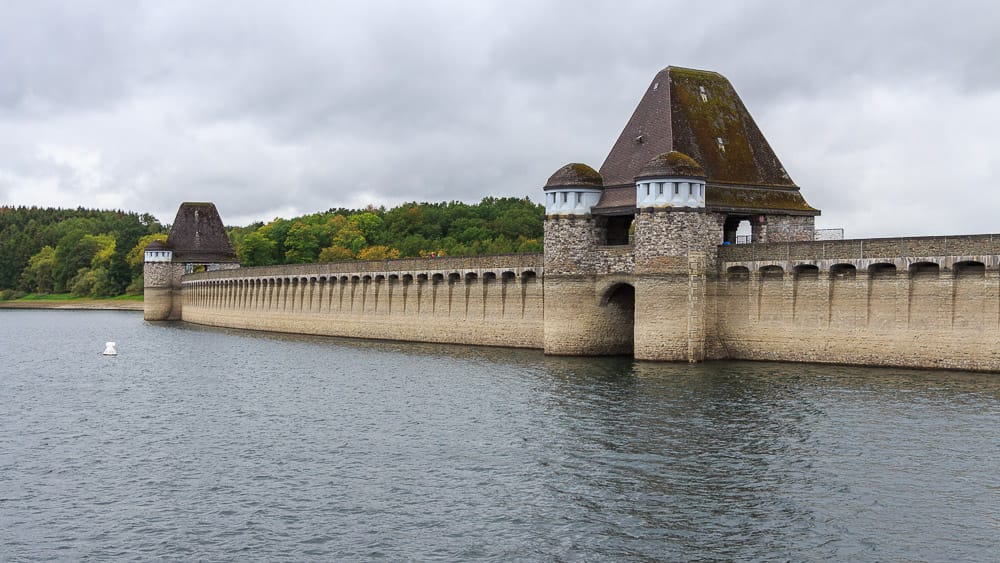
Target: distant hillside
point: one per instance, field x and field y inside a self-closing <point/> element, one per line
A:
<point x="493" y="226"/>
<point x="84" y="251"/>
<point x="97" y="253"/>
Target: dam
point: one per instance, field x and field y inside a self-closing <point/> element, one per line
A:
<point x="641" y="257"/>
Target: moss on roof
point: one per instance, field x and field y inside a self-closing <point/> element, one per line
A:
<point x="575" y="174"/>
<point x="672" y="163"/>
<point x="712" y="125"/>
<point x="757" y="200"/>
<point x="157" y="245"/>
<point x="698" y="113"/>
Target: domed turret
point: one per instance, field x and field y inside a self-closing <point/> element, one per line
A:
<point x="671" y="179"/>
<point x="573" y="190"/>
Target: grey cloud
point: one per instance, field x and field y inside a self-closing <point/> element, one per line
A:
<point x="269" y="107"/>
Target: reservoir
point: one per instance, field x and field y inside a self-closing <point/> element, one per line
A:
<point x="198" y="443"/>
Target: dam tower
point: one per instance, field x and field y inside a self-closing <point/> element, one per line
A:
<point x="631" y="249"/>
<point x="197" y="242"/>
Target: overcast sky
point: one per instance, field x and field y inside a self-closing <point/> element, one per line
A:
<point x="887" y="114"/>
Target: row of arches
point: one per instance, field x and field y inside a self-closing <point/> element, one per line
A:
<point x="850" y="271"/>
<point x="883" y="296"/>
<point x="468" y="294"/>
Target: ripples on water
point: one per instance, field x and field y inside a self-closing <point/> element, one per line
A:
<point x="208" y="444"/>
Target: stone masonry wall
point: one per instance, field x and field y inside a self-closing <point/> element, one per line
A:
<point x="161" y="282"/>
<point x="663" y="238"/>
<point x="478" y="306"/>
<point x="925" y="316"/>
<point x="570" y="245"/>
<point x="580" y="320"/>
<point x="784" y="228"/>
<point x="931" y="302"/>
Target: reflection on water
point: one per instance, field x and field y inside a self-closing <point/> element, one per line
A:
<point x="214" y="444"/>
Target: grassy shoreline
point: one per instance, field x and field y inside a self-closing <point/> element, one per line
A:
<point x="68" y="301"/>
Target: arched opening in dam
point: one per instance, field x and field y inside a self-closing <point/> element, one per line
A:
<point x="736" y="229"/>
<point x="619" y="306"/>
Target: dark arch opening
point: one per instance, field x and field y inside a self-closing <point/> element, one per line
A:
<point x="618" y="229"/>
<point x="619" y="303"/>
<point x="736" y="230"/>
<point x="970" y="269"/>
<point x="738" y="273"/>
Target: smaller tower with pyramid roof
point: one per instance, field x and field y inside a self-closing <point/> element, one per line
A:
<point x="197" y="240"/>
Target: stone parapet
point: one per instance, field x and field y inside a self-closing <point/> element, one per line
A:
<point x="515" y="263"/>
<point x="945" y="251"/>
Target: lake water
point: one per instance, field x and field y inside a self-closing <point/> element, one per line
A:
<point x="224" y="445"/>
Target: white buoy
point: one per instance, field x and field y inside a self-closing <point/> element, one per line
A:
<point x="109" y="349"/>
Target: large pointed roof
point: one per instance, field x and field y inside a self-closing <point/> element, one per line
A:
<point x="199" y="236"/>
<point x="699" y="113"/>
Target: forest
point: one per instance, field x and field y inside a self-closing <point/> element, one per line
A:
<point x="98" y="253"/>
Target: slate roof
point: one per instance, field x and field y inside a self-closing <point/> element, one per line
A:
<point x="699" y="113"/>
<point x="198" y="235"/>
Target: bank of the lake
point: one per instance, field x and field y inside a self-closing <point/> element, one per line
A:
<point x="204" y="444"/>
<point x="75" y="303"/>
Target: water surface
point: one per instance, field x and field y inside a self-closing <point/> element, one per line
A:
<point x="226" y="445"/>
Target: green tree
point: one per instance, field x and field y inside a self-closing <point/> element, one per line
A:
<point x="369" y="224"/>
<point x="351" y="237"/>
<point x="38" y="275"/>
<point x="378" y="252"/>
<point x="256" y="250"/>
<point x="277" y="230"/>
<point x="301" y="243"/>
<point x="73" y="253"/>
<point x="335" y="253"/>
<point x="137" y="255"/>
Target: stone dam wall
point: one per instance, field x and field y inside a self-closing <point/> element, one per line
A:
<point x="929" y="302"/>
<point x="491" y="300"/>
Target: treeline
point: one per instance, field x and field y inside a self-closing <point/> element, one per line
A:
<point x="86" y="252"/>
<point x="95" y="253"/>
<point x="493" y="226"/>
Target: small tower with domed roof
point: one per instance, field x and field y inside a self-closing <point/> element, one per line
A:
<point x="671" y="179"/>
<point x="573" y="190"/>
